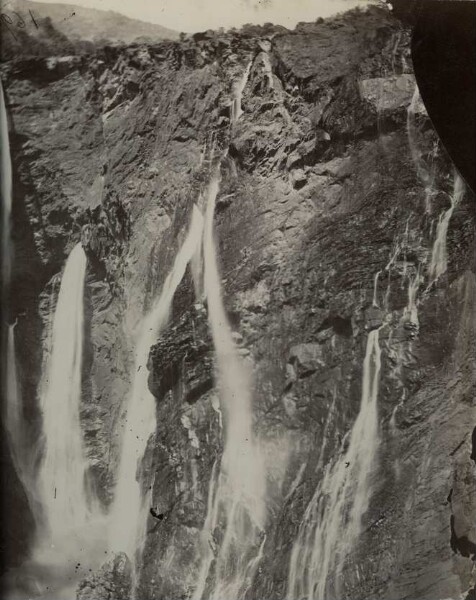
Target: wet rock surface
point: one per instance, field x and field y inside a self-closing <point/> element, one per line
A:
<point x="319" y="192"/>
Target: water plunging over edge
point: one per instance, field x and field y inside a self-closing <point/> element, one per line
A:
<point x="439" y="254"/>
<point x="13" y="417"/>
<point x="71" y="524"/>
<point x="423" y="170"/>
<point x="128" y="514"/>
<point x="237" y="489"/>
<point x="235" y="110"/>
<point x="6" y="183"/>
<point x="332" y="521"/>
<point x="62" y="473"/>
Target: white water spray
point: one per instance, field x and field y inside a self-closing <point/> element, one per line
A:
<point x="439" y="255"/>
<point x="128" y="515"/>
<point x="64" y="496"/>
<point x="237" y="491"/>
<point x="332" y="521"/>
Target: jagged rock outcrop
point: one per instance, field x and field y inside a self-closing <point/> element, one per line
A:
<point x="319" y="193"/>
<point x="112" y="582"/>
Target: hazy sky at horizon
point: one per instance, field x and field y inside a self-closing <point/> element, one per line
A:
<point x="196" y="15"/>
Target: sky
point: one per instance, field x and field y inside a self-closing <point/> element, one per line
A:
<point x="197" y="15"/>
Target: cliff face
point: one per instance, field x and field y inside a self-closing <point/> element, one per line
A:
<point x="319" y="193"/>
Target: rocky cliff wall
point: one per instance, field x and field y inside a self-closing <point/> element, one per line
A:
<point x="319" y="193"/>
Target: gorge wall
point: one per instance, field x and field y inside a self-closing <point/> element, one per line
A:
<point x="327" y="181"/>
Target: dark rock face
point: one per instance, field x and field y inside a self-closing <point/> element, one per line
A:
<point x="15" y="513"/>
<point x="319" y="193"/>
<point x="184" y="356"/>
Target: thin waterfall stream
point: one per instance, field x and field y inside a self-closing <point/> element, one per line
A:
<point x="237" y="489"/>
<point x="332" y="521"/>
<point x="424" y="170"/>
<point x="14" y="410"/>
<point x="236" y="509"/>
<point x="236" y="110"/>
<point x="439" y="254"/>
<point x="6" y="187"/>
<point x="128" y="513"/>
<point x="13" y="417"/>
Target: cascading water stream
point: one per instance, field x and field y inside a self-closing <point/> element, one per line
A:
<point x="268" y="70"/>
<point x="13" y="408"/>
<point x="13" y="417"/>
<point x="375" y="298"/>
<point x="67" y="504"/>
<point x="410" y="312"/>
<point x="439" y="254"/>
<point x="70" y="522"/>
<point x="237" y="489"/>
<point x="236" y="110"/>
<point x="128" y="514"/>
<point x="6" y="186"/>
<point x="423" y="170"/>
<point x="332" y="521"/>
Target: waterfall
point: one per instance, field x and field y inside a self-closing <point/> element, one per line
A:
<point x="13" y="417"/>
<point x="410" y="312"/>
<point x="268" y="70"/>
<point x="14" y="409"/>
<point x="423" y="170"/>
<point x="332" y="520"/>
<point x="239" y="87"/>
<point x="70" y="525"/>
<point x="6" y="185"/>
<point x="439" y="255"/>
<point x="375" y="296"/>
<point x="128" y="514"/>
<point x="64" y="496"/>
<point x="237" y="489"/>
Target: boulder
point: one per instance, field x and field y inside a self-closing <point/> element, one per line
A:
<point x="306" y="358"/>
<point x="113" y="581"/>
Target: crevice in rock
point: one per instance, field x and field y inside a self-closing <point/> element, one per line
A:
<point x="473" y="446"/>
<point x="201" y="388"/>
<point x="471" y="595"/>
<point x="453" y="452"/>
<point x="461" y="545"/>
<point x="341" y="325"/>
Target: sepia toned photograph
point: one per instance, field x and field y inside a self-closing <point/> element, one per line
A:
<point x="238" y="300"/>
